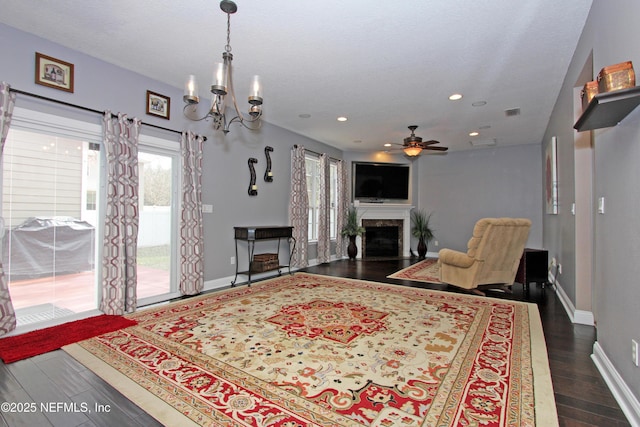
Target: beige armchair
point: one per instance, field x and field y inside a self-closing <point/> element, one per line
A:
<point x="492" y="257"/>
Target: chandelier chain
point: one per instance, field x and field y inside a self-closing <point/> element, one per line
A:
<point x="227" y="48"/>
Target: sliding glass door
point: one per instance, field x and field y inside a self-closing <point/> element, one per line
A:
<point x="52" y="202"/>
<point x="49" y="192"/>
<point x="157" y="228"/>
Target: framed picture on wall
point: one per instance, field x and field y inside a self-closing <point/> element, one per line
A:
<point x="54" y="73"/>
<point x="158" y="105"/>
<point x="551" y="176"/>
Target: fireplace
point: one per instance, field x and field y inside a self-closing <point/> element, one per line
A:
<point x="382" y="238"/>
<point x="383" y="215"/>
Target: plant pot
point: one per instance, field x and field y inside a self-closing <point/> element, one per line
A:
<point x="422" y="248"/>
<point x="352" y="249"/>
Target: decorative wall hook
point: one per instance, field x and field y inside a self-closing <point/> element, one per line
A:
<point x="268" y="175"/>
<point x="253" y="188"/>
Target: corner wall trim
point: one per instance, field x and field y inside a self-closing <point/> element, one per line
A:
<point x="581" y="317"/>
<point x="621" y="392"/>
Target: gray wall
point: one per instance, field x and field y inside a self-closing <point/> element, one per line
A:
<point x="610" y="36"/>
<point x="462" y="187"/>
<point x="101" y="86"/>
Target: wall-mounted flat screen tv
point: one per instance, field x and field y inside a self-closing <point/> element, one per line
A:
<point x="380" y="182"/>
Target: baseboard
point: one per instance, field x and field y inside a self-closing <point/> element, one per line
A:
<point x="581" y="317"/>
<point x="225" y="282"/>
<point x="621" y="392"/>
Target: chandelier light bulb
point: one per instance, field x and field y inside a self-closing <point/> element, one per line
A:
<point x="191" y="90"/>
<point x="219" y="86"/>
<point x="255" y="91"/>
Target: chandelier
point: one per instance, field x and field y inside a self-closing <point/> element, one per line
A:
<point x="223" y="85"/>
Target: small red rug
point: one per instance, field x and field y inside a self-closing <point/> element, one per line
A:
<point x="426" y="270"/>
<point x="45" y="340"/>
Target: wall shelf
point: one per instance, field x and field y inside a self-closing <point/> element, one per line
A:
<point x="608" y="109"/>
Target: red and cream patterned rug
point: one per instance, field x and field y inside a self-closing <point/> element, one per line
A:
<point x="426" y="270"/>
<point x="310" y="350"/>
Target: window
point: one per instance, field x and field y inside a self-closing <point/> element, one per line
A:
<point x="333" y="198"/>
<point x="312" y="165"/>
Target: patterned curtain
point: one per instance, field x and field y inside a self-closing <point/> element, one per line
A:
<point x="299" y="207"/>
<point x="343" y="206"/>
<point x="191" y="235"/>
<point x="324" y="235"/>
<point x="119" y="270"/>
<point x="7" y="313"/>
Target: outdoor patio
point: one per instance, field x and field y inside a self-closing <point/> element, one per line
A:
<point x="46" y="298"/>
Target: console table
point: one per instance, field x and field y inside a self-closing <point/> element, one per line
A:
<point x="533" y="268"/>
<point x="251" y="234"/>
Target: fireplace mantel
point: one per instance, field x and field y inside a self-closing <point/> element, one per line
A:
<point x="387" y="211"/>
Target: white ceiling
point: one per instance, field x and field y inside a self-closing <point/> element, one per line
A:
<point x="383" y="64"/>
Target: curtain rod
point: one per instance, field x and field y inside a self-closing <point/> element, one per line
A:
<point x="91" y="110"/>
<point x="316" y="153"/>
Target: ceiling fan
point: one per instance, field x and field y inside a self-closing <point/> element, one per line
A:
<point x="413" y="145"/>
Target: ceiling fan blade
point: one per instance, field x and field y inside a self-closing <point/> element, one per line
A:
<point x="431" y="142"/>
<point x="437" y="148"/>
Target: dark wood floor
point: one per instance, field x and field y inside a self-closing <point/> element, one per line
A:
<point x="57" y="380"/>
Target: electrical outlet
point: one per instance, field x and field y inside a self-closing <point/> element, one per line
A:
<point x="233" y="260"/>
<point x="634" y="352"/>
<point x="436" y="243"/>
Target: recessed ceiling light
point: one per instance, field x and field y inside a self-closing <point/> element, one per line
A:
<point x="342" y="119"/>
<point x="388" y="144"/>
<point x="474" y="133"/>
<point x="304" y="116"/>
<point x="484" y="127"/>
<point x="479" y="103"/>
<point x="455" y="96"/>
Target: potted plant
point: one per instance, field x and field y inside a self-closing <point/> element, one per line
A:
<point x="352" y="229"/>
<point x="421" y="229"/>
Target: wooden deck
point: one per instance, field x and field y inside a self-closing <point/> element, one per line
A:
<point x="53" y="297"/>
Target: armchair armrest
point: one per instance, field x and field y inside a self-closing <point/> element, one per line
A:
<point x="455" y="258"/>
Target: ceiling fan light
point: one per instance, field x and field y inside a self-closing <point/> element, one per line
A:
<point x="412" y="151"/>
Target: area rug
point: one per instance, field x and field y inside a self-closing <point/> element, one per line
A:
<point x="310" y="350"/>
<point x="426" y="270"/>
<point x="44" y="340"/>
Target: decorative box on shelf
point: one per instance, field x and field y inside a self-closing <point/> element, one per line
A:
<point x="264" y="262"/>
<point x="588" y="92"/>
<point x="616" y="77"/>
